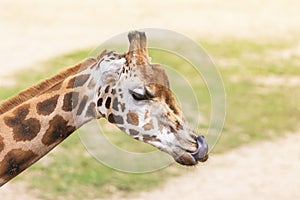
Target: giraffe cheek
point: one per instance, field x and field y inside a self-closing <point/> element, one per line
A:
<point x="148" y="126"/>
<point x="133" y="118"/>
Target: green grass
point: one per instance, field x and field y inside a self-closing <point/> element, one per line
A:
<point x="70" y="173"/>
<point x="254" y="112"/>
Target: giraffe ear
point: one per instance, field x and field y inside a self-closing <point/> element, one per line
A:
<point x="111" y="70"/>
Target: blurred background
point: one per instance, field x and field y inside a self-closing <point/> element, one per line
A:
<point x="255" y="46"/>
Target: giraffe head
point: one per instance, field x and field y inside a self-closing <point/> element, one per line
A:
<point x="136" y="97"/>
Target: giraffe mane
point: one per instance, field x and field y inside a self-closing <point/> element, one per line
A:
<point x="44" y="85"/>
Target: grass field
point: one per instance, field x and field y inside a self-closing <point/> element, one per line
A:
<point x="258" y="108"/>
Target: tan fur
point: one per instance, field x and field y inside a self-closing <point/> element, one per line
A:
<point x="44" y="86"/>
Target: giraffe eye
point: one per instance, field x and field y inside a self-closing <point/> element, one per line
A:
<point x="139" y="97"/>
<point x="141" y="94"/>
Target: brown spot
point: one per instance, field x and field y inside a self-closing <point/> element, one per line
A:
<point x="133" y="132"/>
<point x="160" y="127"/>
<point x="78" y="81"/>
<point x="146" y="114"/>
<point x="113" y="91"/>
<point x="15" y="162"/>
<point x="1" y="143"/>
<point x="91" y="84"/>
<point x="70" y="101"/>
<point x="108" y="102"/>
<point x="122" y="129"/>
<point x="133" y="118"/>
<point x="148" y="126"/>
<point x="115" y="104"/>
<point x="147" y="138"/>
<point x="82" y="105"/>
<point x="99" y="102"/>
<point x="58" y="130"/>
<point x="178" y="125"/>
<point x="106" y="89"/>
<point x="123" y="107"/>
<point x="47" y="107"/>
<point x="91" y="110"/>
<point x="172" y="105"/>
<point x="23" y="129"/>
<point x="115" y="119"/>
<point x="172" y="130"/>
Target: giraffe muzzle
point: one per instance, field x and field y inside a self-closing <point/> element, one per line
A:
<point x="201" y="154"/>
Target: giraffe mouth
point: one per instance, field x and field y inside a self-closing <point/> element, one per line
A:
<point x="193" y="158"/>
<point x="201" y="154"/>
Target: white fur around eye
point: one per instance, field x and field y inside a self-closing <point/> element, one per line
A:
<point x="140" y="91"/>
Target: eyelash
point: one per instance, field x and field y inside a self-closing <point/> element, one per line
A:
<point x="141" y="97"/>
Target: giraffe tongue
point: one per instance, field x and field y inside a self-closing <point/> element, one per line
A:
<point x="201" y="153"/>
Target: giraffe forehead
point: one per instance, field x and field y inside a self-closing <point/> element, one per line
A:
<point x="152" y="74"/>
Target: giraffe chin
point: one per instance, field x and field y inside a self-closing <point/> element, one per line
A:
<point x="200" y="155"/>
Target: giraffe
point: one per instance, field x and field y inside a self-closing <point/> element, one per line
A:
<point x="126" y="89"/>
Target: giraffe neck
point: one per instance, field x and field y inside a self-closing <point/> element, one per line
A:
<point x="33" y="124"/>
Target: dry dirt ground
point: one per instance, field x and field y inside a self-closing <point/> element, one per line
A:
<point x="31" y="31"/>
<point x="268" y="170"/>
